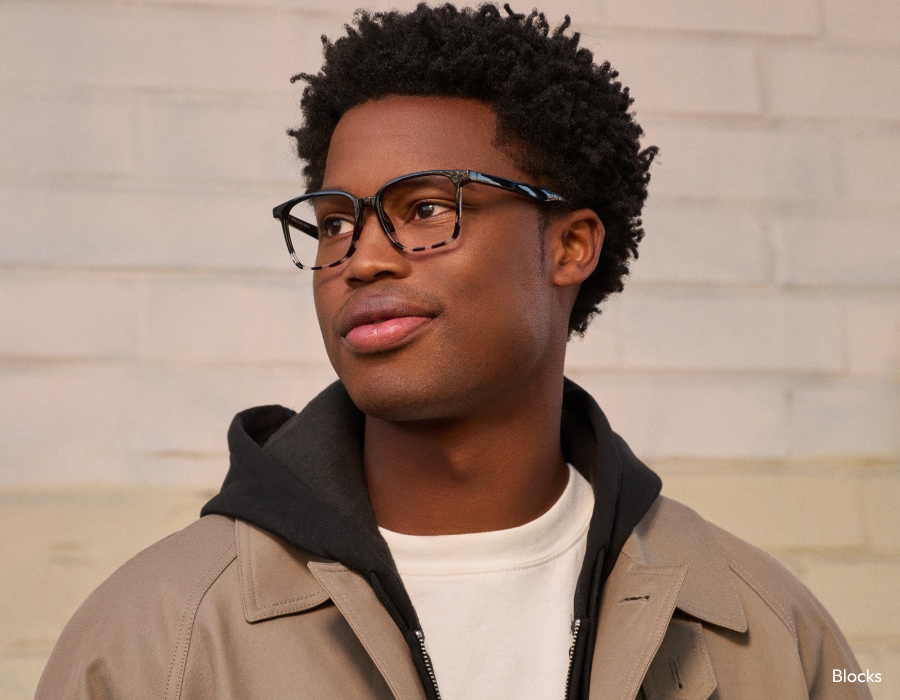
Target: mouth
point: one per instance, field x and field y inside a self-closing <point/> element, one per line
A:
<point x="374" y="324"/>
<point x="384" y="335"/>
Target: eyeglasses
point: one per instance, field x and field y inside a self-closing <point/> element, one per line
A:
<point x="419" y="211"/>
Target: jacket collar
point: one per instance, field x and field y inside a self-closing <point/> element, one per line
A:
<point x="301" y="477"/>
<point x="673" y="535"/>
<point x="277" y="579"/>
<point x="275" y="576"/>
<point x="671" y="561"/>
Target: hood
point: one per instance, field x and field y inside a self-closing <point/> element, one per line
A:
<point x="300" y="476"/>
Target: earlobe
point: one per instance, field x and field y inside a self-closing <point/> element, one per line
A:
<point x="575" y="246"/>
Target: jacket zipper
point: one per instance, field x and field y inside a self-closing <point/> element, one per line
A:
<point x="427" y="659"/>
<point x="576" y="626"/>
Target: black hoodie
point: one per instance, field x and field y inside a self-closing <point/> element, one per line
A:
<point x="300" y="476"/>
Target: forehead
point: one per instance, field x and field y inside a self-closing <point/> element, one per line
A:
<point x="379" y="140"/>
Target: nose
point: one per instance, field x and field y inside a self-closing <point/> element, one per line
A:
<point x="375" y="255"/>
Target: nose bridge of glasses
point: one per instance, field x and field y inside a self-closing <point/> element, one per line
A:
<point x="374" y="203"/>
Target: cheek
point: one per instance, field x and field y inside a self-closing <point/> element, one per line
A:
<point x="319" y="301"/>
<point x="325" y="302"/>
<point x="503" y="286"/>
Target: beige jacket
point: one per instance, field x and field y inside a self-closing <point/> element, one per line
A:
<point x="225" y="610"/>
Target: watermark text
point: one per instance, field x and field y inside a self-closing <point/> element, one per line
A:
<point x="842" y="675"/>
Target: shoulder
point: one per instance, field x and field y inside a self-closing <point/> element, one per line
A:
<point x="786" y="633"/>
<point x="172" y="572"/>
<point x="152" y="598"/>
<point x="672" y="533"/>
<point x="820" y="644"/>
<point x="758" y="576"/>
<point x="770" y="581"/>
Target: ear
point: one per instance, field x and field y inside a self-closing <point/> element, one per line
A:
<point x="574" y="244"/>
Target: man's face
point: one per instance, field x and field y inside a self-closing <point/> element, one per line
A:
<point x="448" y="332"/>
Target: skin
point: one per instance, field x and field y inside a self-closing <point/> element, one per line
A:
<point x="463" y="400"/>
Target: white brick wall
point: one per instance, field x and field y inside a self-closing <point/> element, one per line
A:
<point x="67" y="315"/>
<point x="834" y="83"/>
<point x="864" y="23"/>
<point x="754" y="17"/>
<point x="736" y="247"/>
<point x="783" y="164"/>
<point x="146" y="296"/>
<point x="724" y="330"/>
<point x="871" y="155"/>
<point x="133" y="226"/>
<point x="846" y="252"/>
<point x="685" y="76"/>
<point x="75" y="134"/>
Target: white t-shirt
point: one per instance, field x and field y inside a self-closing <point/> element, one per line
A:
<point x="496" y="607"/>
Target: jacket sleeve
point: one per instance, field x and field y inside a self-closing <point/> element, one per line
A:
<point x="130" y="638"/>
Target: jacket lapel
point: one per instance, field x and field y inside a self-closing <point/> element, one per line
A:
<point x="671" y="561"/>
<point x="275" y="580"/>
<point x="635" y="609"/>
<point x="373" y="626"/>
<point x="280" y="579"/>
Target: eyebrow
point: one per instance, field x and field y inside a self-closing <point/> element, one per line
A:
<point x="340" y="188"/>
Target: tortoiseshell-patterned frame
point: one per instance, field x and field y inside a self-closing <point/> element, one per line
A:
<point x="457" y="177"/>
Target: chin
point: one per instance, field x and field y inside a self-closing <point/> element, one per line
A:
<point x="392" y="399"/>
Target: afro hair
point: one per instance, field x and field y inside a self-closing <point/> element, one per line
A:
<point x="564" y="120"/>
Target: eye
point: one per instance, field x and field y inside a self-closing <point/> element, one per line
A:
<point x="427" y="210"/>
<point x="333" y="226"/>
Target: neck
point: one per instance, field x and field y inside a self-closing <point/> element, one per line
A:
<point x="495" y="470"/>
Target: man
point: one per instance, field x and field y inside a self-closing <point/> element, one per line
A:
<point x="453" y="519"/>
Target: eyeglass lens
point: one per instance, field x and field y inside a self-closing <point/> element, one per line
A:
<point x="420" y="212"/>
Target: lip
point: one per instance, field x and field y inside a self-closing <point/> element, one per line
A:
<point x="377" y="323"/>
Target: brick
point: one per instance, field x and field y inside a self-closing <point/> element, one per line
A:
<point x="741" y="163"/>
<point x="827" y="77"/>
<point x="601" y="345"/>
<point x="187" y="410"/>
<point x="693" y="417"/>
<point x="870" y="163"/>
<point x="881" y="494"/>
<point x="820" y="251"/>
<point x="157" y="47"/>
<point x="209" y="319"/>
<point x="861" y="596"/>
<point x="340" y="10"/>
<point x="889" y="665"/>
<point x="873" y="337"/>
<point x="777" y="510"/>
<point x="124" y="424"/>
<point x="112" y="226"/>
<point x="683" y="77"/>
<point x="19" y="674"/>
<point x="851" y="421"/>
<point x="61" y="543"/>
<point x="766" y="17"/>
<point x="868" y="23"/>
<point x="202" y="470"/>
<point x="82" y="134"/>
<point x="683" y="329"/>
<point x="67" y="315"/>
<point x="68" y="418"/>
<point x="702" y="245"/>
<point x="221" y="139"/>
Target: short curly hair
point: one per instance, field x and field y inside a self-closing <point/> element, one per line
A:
<point x="564" y="120"/>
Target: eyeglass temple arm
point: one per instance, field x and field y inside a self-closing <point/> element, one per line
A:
<point x="537" y="193"/>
